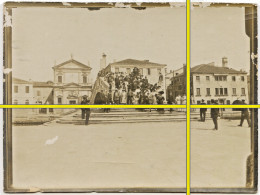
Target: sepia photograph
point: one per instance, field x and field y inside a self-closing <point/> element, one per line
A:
<point x="129" y="54"/>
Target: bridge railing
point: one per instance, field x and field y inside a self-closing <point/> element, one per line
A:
<point x="100" y="84"/>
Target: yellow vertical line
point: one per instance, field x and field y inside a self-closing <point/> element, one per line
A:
<point x="188" y="97"/>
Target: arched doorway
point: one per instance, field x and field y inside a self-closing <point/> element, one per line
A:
<point x="100" y="98"/>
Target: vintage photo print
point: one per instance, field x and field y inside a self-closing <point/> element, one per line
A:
<point x="129" y="54"/>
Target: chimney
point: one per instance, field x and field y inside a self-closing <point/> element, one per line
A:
<point x="103" y="61"/>
<point x="212" y="63"/>
<point x="184" y="69"/>
<point x="224" y="62"/>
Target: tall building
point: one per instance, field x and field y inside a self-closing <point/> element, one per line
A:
<point x="209" y="81"/>
<point x="71" y="82"/>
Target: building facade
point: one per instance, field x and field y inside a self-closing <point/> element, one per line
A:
<point x="71" y="82"/>
<point x="22" y="91"/>
<point x="213" y="82"/>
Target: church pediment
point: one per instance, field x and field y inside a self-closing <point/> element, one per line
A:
<point x="72" y="64"/>
<point x="72" y="85"/>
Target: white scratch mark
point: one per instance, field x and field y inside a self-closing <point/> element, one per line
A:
<point x="51" y="141"/>
<point x="121" y="5"/>
<point x="7" y="70"/>
<point x="66" y="4"/>
<point x="200" y="4"/>
<point x="177" y="4"/>
<point x="139" y="3"/>
<point x="7" y="19"/>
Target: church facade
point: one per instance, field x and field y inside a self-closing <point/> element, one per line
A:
<point x="71" y="82"/>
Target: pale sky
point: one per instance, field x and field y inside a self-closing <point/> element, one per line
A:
<point x="42" y="36"/>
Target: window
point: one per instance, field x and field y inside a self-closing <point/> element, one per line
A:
<point x="15" y="101"/>
<point x="85" y="79"/>
<point x="59" y="100"/>
<point x="233" y="78"/>
<point x="197" y="78"/>
<point x="220" y="78"/>
<point x="225" y="91"/>
<point x="207" y="78"/>
<point x="228" y="101"/>
<point x="198" y="102"/>
<point x="27" y="89"/>
<point x="242" y="78"/>
<point x="198" y="91"/>
<point x="224" y="78"/>
<point x="26" y="101"/>
<point x="148" y="71"/>
<point x="59" y="79"/>
<point x="216" y="78"/>
<point x="216" y="91"/>
<point x="208" y="91"/>
<point x="243" y="91"/>
<point x="38" y="92"/>
<point x="234" y="91"/>
<point x="208" y="101"/>
<point x="221" y="91"/>
<point x="16" y="89"/>
<point x="159" y="70"/>
<point x="128" y="70"/>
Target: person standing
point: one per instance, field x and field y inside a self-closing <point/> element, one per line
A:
<point x="87" y="113"/>
<point x="214" y="114"/>
<point x="244" y="115"/>
<point x="83" y="110"/>
<point x="116" y="97"/>
<point x="203" y="111"/>
<point x="123" y="97"/>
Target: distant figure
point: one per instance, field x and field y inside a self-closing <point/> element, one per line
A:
<point x="83" y="110"/>
<point x="87" y="113"/>
<point x="244" y="115"/>
<point x="123" y="97"/>
<point x="116" y="97"/>
<point x="203" y="111"/>
<point x="214" y="114"/>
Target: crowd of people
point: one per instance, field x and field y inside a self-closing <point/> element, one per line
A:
<point x="132" y="88"/>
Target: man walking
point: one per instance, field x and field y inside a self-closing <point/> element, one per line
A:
<point x="214" y="114"/>
<point x="203" y="111"/>
<point x="244" y="115"/>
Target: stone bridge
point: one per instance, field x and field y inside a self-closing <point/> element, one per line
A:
<point x="100" y="84"/>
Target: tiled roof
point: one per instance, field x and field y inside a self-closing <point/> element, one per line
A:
<point x="135" y="62"/>
<point x="210" y="69"/>
<point x="73" y="61"/>
<point x="20" y="81"/>
<point x="42" y="84"/>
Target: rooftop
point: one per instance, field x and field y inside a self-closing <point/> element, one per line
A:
<point x="20" y="81"/>
<point x="212" y="69"/>
<point x="42" y="84"/>
<point x="135" y="62"/>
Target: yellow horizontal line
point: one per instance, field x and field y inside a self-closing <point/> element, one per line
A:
<point x="92" y="106"/>
<point x="128" y="106"/>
